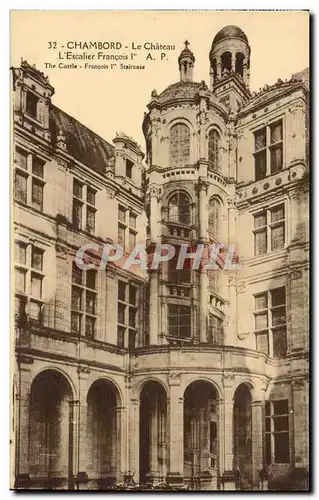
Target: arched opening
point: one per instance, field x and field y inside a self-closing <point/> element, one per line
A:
<point x="103" y="434"/>
<point x="179" y="208"/>
<point x="179" y="145"/>
<point x="213" y="149"/>
<point x="201" y="436"/>
<point x="214" y="68"/>
<point x="51" y="431"/>
<point x="153" y="433"/>
<point x="226" y="60"/>
<point x="243" y="436"/>
<point x="214" y="218"/>
<point x="239" y="64"/>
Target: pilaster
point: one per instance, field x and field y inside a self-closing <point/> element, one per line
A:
<point x="175" y="433"/>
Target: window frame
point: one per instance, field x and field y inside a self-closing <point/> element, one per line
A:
<point x="181" y="217"/>
<point x="268" y="312"/>
<point x="81" y="287"/>
<point x="268" y="148"/>
<point x="30" y="272"/>
<point x="127" y="224"/>
<point x="213" y="153"/>
<point x="32" y="178"/>
<point x="271" y="433"/>
<point x="84" y="205"/>
<point x="35" y="99"/>
<point x="269" y="226"/>
<point x="179" y="159"/>
<point x="179" y="315"/>
<point x="128" y="336"/>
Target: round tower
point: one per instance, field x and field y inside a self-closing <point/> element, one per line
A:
<point x="230" y="53"/>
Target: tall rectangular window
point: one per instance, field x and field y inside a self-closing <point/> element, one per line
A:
<point x="32" y="104"/>
<point x="127" y="314"/>
<point x="83" y="301"/>
<point x="29" y="278"/>
<point x="179" y="321"/>
<point x="84" y="210"/>
<point x="271" y="322"/>
<point x="277" y="432"/>
<point x="129" y="169"/>
<point x="215" y="330"/>
<point x="269" y="229"/>
<point x="268" y="152"/>
<point x="126" y="228"/>
<point x="29" y="179"/>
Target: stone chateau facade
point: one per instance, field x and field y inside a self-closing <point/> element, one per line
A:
<point x="189" y="377"/>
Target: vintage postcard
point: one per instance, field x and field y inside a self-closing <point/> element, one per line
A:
<point x="160" y="239"/>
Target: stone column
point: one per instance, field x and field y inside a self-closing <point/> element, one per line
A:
<point x="154" y="215"/>
<point x="134" y="440"/>
<point x="300" y="431"/>
<point x="203" y="305"/>
<point x="233" y="62"/>
<point x="175" y="432"/>
<point x="22" y="422"/>
<point x="119" y="442"/>
<point x="81" y="431"/>
<point x="228" y="417"/>
<point x="219" y="70"/>
<point x="202" y="203"/>
<point x="153" y="307"/>
<point x="154" y="441"/>
<point x="257" y="440"/>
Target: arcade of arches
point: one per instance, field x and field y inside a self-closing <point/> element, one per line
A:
<point x="180" y="436"/>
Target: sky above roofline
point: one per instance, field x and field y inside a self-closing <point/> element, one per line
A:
<point x="112" y="101"/>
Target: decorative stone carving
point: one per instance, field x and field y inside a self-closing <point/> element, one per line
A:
<point x="243" y="335"/>
<point x="83" y="369"/>
<point x="174" y="379"/>
<point x="295" y="275"/>
<point x="61" y="251"/>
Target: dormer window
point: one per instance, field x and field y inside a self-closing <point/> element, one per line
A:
<point x="32" y="104"/>
<point x="129" y="169"/>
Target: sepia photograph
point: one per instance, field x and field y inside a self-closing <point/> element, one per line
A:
<point x="159" y="250"/>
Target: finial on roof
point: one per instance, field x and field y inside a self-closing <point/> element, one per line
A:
<point x="186" y="63"/>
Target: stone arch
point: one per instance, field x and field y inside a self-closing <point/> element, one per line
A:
<point x="250" y="386"/>
<point x="226" y="61"/>
<point x="215" y="213"/>
<point x="153" y="431"/>
<point x="242" y="434"/>
<point x="59" y="370"/>
<point x="139" y="387"/>
<point x="51" y="429"/>
<point x="103" y="433"/>
<point x="179" y="147"/>
<point x="111" y="381"/>
<point x="201" y="431"/>
<point x="203" y="378"/>
<point x="239" y="63"/>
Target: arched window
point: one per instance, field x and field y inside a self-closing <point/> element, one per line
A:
<point x="179" y="208"/>
<point x="214" y="68"/>
<point x="226" y="61"/>
<point x="179" y="148"/>
<point x="214" y="216"/>
<point x="239" y="67"/>
<point x="213" y="149"/>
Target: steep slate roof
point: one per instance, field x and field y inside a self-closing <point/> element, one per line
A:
<point x="82" y="143"/>
<point x="276" y="90"/>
